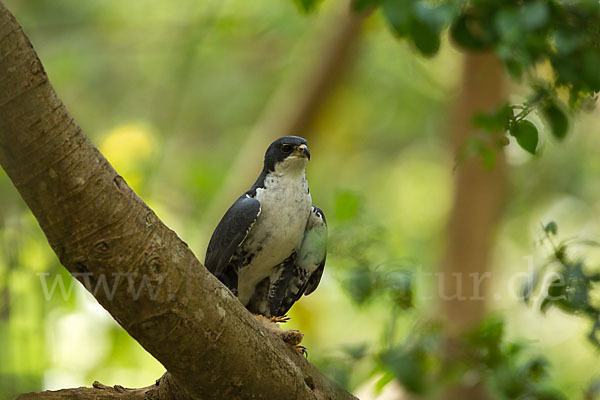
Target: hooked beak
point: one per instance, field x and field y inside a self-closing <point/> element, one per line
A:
<point x="302" y="151"/>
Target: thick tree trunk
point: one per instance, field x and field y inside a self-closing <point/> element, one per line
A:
<point x="101" y="230"/>
<point x="479" y="195"/>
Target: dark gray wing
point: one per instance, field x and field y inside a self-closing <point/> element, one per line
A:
<point x="300" y="275"/>
<point x="318" y="224"/>
<point x="230" y="233"/>
<point x="315" y="278"/>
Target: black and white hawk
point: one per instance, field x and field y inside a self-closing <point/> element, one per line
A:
<point x="270" y="246"/>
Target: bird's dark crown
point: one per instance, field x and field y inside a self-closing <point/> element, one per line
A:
<point x="280" y="149"/>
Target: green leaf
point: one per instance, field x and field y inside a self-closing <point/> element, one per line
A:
<point x="556" y="118"/>
<point x="399" y="14"/>
<point x="399" y="284"/>
<point x="508" y="25"/>
<point x="537" y="368"/>
<point x="485" y="340"/>
<point x="577" y="289"/>
<point x="425" y="37"/>
<point x="551" y="228"/>
<point x="473" y="32"/>
<point x="556" y="293"/>
<point x="408" y="365"/>
<point x="514" y="68"/>
<point x="360" y="284"/>
<point x="402" y="17"/>
<point x="534" y="15"/>
<point x="526" y="134"/>
<point x="437" y="15"/>
<point x="566" y="42"/>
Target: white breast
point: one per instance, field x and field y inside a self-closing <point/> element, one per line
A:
<point x="278" y="231"/>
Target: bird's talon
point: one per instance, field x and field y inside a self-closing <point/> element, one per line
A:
<point x="302" y="350"/>
<point x="280" y="319"/>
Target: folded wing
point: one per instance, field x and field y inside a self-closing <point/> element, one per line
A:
<point x="301" y="274"/>
<point x="228" y="236"/>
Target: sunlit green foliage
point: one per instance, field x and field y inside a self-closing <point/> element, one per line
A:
<point x="550" y="44"/>
<point x="571" y="284"/>
<point x="482" y="355"/>
<point x="421" y="363"/>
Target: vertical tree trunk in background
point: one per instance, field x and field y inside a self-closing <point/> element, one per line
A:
<point x="478" y="200"/>
<point x="295" y="105"/>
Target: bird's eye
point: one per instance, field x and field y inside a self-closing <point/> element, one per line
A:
<point x="286" y="148"/>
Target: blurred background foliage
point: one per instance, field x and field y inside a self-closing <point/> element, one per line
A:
<point x="169" y="93"/>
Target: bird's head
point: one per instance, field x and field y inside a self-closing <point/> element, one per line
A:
<point x="288" y="153"/>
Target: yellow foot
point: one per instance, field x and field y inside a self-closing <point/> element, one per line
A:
<point x="280" y="319"/>
<point x="302" y="350"/>
<point x="291" y="337"/>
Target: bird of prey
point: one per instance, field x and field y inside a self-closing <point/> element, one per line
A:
<point x="270" y="246"/>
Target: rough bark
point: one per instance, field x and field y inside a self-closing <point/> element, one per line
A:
<point x="100" y="229"/>
<point x="479" y="195"/>
<point x="98" y="391"/>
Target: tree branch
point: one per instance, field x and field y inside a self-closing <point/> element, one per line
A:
<point x="101" y="230"/>
<point x="98" y="391"/>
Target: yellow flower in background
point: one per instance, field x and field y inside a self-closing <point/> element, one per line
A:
<point x="128" y="148"/>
